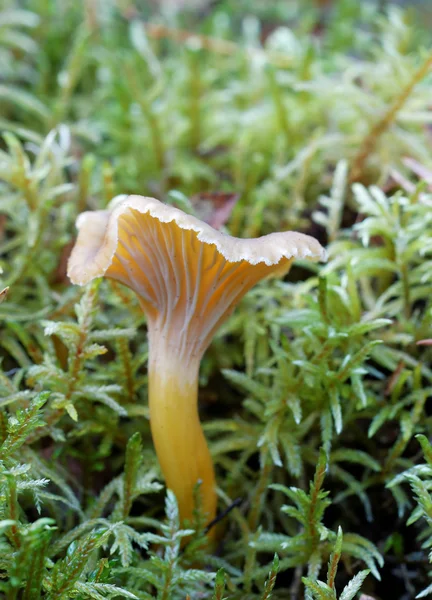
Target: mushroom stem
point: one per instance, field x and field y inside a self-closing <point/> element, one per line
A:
<point x="177" y="434"/>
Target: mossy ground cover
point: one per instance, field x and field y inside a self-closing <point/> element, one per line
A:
<point x="315" y="395"/>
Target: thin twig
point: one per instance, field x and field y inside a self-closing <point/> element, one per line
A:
<point x="213" y="44"/>
<point x="223" y="514"/>
<point x="371" y="139"/>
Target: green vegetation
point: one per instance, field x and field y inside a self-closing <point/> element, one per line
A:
<point x="315" y="395"/>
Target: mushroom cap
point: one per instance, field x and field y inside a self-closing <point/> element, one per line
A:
<point x="98" y="239"/>
<point x="188" y="276"/>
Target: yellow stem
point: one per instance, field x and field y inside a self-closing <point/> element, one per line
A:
<point x="177" y="434"/>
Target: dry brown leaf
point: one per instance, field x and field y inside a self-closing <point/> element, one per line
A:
<point x="60" y="274"/>
<point x="3" y="294"/>
<point x="419" y="169"/>
<point x="214" y="208"/>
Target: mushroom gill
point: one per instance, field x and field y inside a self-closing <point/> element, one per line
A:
<point x="188" y="278"/>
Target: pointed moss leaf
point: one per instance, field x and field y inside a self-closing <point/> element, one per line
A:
<point x="27" y="102"/>
<point x="68" y="332"/>
<point x="100" y="395"/>
<point x="364" y="553"/>
<point x="271" y="581"/>
<point x="21" y="425"/>
<point x="18" y="18"/>
<point x="321" y="470"/>
<point x="355" y="456"/>
<point x="133" y="462"/>
<point x="401" y="499"/>
<point x="336" y="409"/>
<point x="359" y="389"/>
<point x="71" y="411"/>
<point x="426" y="592"/>
<point x="322" y="298"/>
<point x="250" y="335"/>
<point x="18" y="396"/>
<point x="100" y="591"/>
<point x="426" y="447"/>
<point x="351" y="589"/>
<point x="270" y="439"/>
<point x="314" y="565"/>
<point x="318" y="589"/>
<point x="295" y="405"/>
<point x="247" y="384"/>
<point x="326" y="430"/>
<point x="293" y="455"/>
<point x="334" y="559"/>
<point x="407" y="426"/>
<point x="93" y="350"/>
<point x="363" y="328"/>
<point x="219" y="585"/>
<point x="146" y="485"/>
<point x="68" y="571"/>
<point x="379" y="420"/>
<point x="101" y="336"/>
<point x="298" y="318"/>
<point x="294" y="513"/>
<point x="423" y="497"/>
<point x="180" y="200"/>
<point x="270" y="541"/>
<point x="193" y="575"/>
<point x="171" y="510"/>
<point x="32" y="484"/>
<point x="366" y="203"/>
<point x="5" y="523"/>
<point x="122" y="544"/>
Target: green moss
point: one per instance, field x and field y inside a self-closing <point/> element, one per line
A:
<point x="314" y="395"/>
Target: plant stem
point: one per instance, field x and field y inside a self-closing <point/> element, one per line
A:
<point x="195" y="101"/>
<point x="371" y="139"/>
<point x="260" y="494"/>
<point x="213" y="44"/>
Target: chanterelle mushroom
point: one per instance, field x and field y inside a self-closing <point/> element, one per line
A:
<point x="188" y="278"/>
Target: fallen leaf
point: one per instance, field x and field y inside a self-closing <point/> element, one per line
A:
<point x="402" y="182"/>
<point x="3" y="219"/>
<point x="214" y="208"/>
<point x="3" y="294"/>
<point x="419" y="169"/>
<point x="394" y="378"/>
<point x="60" y="274"/>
